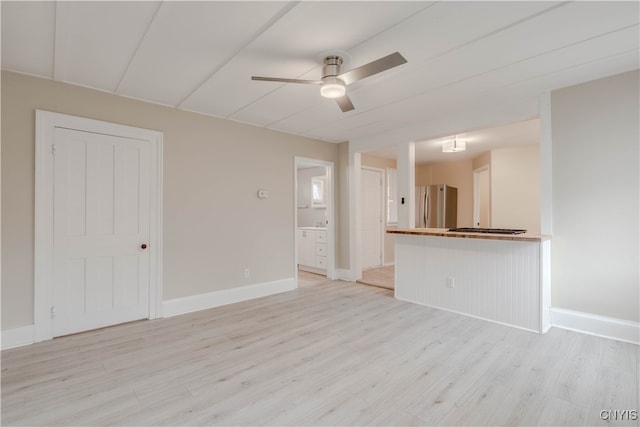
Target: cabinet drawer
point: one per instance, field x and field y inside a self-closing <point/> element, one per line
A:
<point x="321" y="236"/>
<point x="321" y="261"/>
<point x="321" y="249"/>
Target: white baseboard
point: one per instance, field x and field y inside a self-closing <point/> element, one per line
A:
<point x="321" y="271"/>
<point x="511" y="325"/>
<point x="17" y="337"/>
<point x="342" y="274"/>
<point x="594" y="324"/>
<point x="199" y="302"/>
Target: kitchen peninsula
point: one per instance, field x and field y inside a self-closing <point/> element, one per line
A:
<point x="503" y="278"/>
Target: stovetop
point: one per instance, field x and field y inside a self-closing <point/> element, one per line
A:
<point x="488" y="230"/>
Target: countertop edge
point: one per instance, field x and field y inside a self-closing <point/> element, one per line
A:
<point x="442" y="232"/>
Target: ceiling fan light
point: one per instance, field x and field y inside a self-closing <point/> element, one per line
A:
<point x="453" y="146"/>
<point x="332" y="88"/>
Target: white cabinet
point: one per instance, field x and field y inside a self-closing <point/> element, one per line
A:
<point x="312" y="249"/>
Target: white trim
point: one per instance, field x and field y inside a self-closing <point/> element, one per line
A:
<point x="406" y="162"/>
<point x="315" y="270"/>
<point x="468" y="315"/>
<point x="331" y="229"/>
<point x="46" y="122"/>
<point x="17" y="337"/>
<point x="345" y="275"/>
<point x="354" y="215"/>
<point x="383" y="227"/>
<point x="594" y="324"/>
<point x="546" y="165"/>
<point x="476" y="195"/>
<point x="178" y="306"/>
<point x="545" y="286"/>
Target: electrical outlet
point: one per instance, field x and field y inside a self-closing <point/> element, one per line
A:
<point x="247" y="273"/>
<point x="451" y="282"/>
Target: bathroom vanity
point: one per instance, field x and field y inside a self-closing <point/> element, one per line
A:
<point x="312" y="249"/>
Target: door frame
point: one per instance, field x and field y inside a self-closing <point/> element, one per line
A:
<point x="331" y="241"/>
<point x="383" y="223"/>
<point x="476" y="194"/>
<point x="46" y="122"/>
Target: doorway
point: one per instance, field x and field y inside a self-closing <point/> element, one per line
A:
<point x="314" y="218"/>
<point x="372" y="217"/>
<point x="98" y="228"/>
<point x="482" y="197"/>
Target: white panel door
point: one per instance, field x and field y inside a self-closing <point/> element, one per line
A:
<point x="101" y="230"/>
<point x="371" y="212"/>
<point x="482" y="198"/>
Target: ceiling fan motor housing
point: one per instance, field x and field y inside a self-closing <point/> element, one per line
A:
<point x="332" y="86"/>
<point x="332" y="66"/>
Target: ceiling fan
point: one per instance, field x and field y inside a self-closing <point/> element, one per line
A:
<point x="334" y="81"/>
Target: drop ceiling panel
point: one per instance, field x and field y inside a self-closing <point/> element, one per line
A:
<point x="187" y="41"/>
<point x="27" y="37"/>
<point x="96" y="40"/>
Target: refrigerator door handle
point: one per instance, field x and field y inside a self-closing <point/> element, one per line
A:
<point x="426" y="203"/>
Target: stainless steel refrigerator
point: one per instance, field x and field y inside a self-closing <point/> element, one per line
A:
<point x="436" y="206"/>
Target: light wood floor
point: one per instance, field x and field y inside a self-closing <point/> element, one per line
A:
<point x="330" y="353"/>
<point x="383" y="277"/>
<point x="309" y="279"/>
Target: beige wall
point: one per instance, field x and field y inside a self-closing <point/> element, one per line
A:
<point x="382" y="163"/>
<point x="214" y="225"/>
<point x="376" y="162"/>
<point x="483" y="159"/>
<point x="595" y="177"/>
<point x="515" y="187"/>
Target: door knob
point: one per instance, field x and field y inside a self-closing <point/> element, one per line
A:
<point x="143" y="246"/>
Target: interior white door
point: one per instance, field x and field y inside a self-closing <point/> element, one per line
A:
<point x="101" y="230"/>
<point x="371" y="222"/>
<point x="482" y="198"/>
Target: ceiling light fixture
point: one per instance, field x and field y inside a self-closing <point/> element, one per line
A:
<point x="332" y="87"/>
<point x="454" y="145"/>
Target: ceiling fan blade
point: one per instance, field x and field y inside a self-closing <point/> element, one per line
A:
<point x="375" y="67"/>
<point x="345" y="103"/>
<point x="281" y="80"/>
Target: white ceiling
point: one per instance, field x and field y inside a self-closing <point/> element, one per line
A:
<point x="477" y="142"/>
<point x="470" y="64"/>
